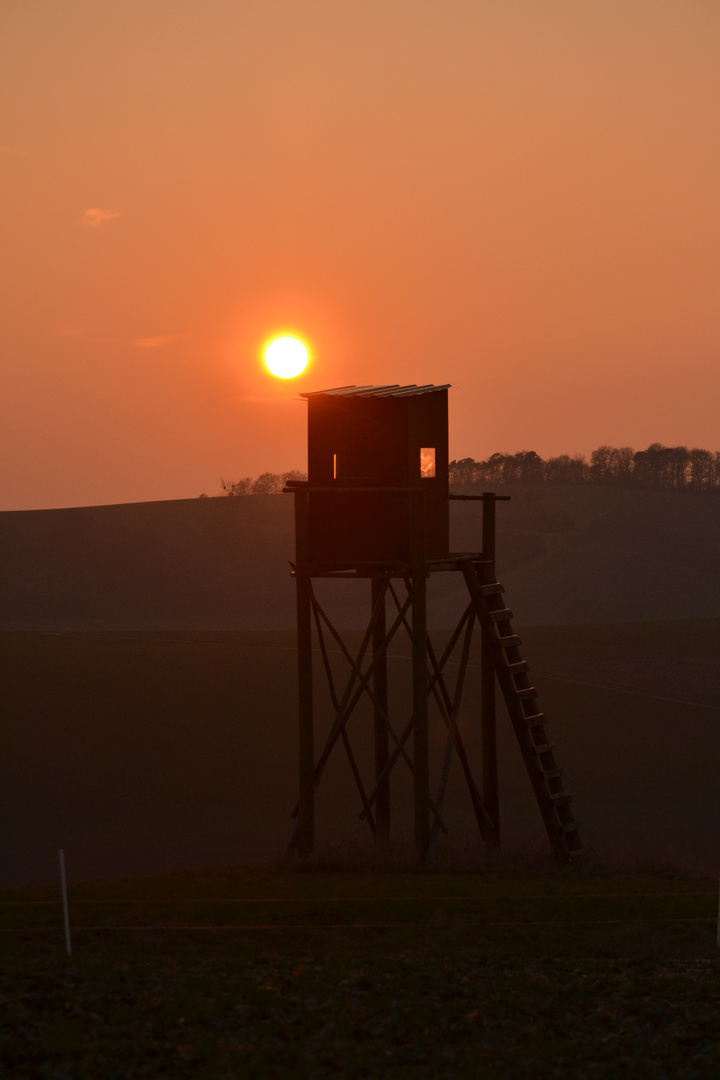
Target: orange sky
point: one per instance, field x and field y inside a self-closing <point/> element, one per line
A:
<point x="521" y="198"/>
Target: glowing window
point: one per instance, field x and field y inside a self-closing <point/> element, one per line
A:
<point x="427" y="461"/>
<point x="334" y="466"/>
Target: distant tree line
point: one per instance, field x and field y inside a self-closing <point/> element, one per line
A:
<point x="660" y="467"/>
<point x="267" y="483"/>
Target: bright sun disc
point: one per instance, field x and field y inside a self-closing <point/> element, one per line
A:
<point x="286" y="357"/>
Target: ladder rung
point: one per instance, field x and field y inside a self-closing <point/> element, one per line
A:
<point x="562" y="798"/>
<point x="536" y="719"/>
<point x="543" y="748"/>
<point x="552" y="774"/>
<point x="525" y="693"/>
<point x="519" y="667"/>
<point x="570" y="826"/>
<point x="509" y="642"/>
<point x="502" y="615"/>
<point x="492" y="590"/>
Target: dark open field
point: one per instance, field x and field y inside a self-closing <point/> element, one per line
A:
<point x="151" y="751"/>
<point x="156" y="752"/>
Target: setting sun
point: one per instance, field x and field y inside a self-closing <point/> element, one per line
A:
<point x="286" y="357"/>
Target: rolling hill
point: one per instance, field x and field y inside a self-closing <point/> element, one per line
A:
<point x="568" y="555"/>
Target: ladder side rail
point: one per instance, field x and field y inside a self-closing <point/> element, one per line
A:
<point x="536" y="751"/>
<point x="513" y="672"/>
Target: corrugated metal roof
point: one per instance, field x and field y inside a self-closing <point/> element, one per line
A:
<point x="392" y="390"/>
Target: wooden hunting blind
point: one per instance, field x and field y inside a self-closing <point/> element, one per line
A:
<point x="369" y="447"/>
<point x="376" y="506"/>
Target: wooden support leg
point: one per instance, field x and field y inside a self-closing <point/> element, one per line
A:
<point x="380" y="694"/>
<point x="421" y="749"/>
<point x="306" y="812"/>
<point x="306" y="749"/>
<point x="420" y="715"/>
<point x="491" y="796"/>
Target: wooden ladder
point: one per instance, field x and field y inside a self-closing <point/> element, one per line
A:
<point x="520" y="696"/>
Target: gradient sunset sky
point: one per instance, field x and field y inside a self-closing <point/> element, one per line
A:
<point x="520" y="197"/>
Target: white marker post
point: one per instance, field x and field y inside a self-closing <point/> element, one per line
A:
<point x="66" y="913"/>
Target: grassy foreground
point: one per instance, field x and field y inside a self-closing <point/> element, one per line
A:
<point x="259" y="973"/>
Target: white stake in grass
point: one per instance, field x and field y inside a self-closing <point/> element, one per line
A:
<point x="66" y="913"/>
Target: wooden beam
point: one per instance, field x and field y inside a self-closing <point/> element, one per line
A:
<point x="421" y="756"/>
<point x="380" y="712"/>
<point x="488" y="709"/>
<point x="306" y="747"/>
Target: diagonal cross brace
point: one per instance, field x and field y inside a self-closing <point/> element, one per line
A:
<point x="344" y="711"/>
<point x="346" y="704"/>
<point x="452" y="730"/>
<point x="336" y="704"/>
<point x="444" y="704"/>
